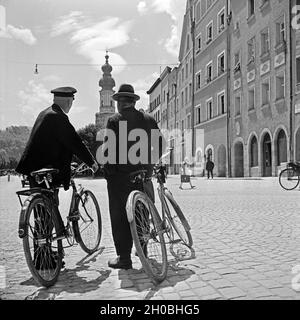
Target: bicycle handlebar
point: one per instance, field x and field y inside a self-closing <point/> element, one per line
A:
<point x="80" y="169"/>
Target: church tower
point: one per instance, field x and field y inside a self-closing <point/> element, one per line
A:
<point x="107" y="104"/>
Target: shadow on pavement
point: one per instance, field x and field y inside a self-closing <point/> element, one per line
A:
<point x="79" y="280"/>
<point x="137" y="280"/>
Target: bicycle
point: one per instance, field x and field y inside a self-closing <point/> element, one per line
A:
<point x="148" y="228"/>
<point x="289" y="178"/>
<point x="38" y="224"/>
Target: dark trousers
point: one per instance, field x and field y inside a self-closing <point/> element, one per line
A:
<point x="210" y="173"/>
<point x="118" y="192"/>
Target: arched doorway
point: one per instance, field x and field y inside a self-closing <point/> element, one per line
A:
<point x="297" y="149"/>
<point x="267" y="156"/>
<point x="253" y="152"/>
<point x="239" y="159"/>
<point x="222" y="161"/>
<point x="281" y="147"/>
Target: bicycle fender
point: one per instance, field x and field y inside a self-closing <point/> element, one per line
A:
<point x="129" y="207"/>
<point x="22" y="218"/>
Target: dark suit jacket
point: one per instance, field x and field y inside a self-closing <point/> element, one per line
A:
<point x="135" y="120"/>
<point x="52" y="143"/>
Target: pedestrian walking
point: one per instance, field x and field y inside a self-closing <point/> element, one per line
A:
<point x="209" y="168"/>
<point x="184" y="176"/>
<point x="117" y="174"/>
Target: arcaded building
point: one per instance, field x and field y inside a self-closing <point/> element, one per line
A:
<point x="261" y="121"/>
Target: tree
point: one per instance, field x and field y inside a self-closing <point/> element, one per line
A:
<point x="88" y="135"/>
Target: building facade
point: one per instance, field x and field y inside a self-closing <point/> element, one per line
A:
<point x="261" y="109"/>
<point x="236" y="98"/>
<point x="211" y="82"/>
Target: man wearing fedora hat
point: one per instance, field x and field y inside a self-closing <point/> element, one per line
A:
<point x="117" y="174"/>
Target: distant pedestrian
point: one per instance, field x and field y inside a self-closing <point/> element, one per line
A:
<point x="209" y="168"/>
<point x="8" y="176"/>
<point x="184" y="177"/>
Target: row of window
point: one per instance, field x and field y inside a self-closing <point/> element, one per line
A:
<point x="155" y="103"/>
<point x="212" y="109"/>
<point x="265" y="43"/>
<point x="210" y="71"/>
<point x="265" y="89"/>
<point x="210" y="30"/>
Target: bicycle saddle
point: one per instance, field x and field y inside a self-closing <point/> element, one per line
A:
<point x="43" y="172"/>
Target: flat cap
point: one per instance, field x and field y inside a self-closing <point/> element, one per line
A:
<point x="64" y="92"/>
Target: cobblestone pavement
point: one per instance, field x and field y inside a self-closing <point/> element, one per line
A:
<point x="246" y="240"/>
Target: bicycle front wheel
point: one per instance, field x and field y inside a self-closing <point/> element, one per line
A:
<point x="148" y="235"/>
<point x="43" y="254"/>
<point x="88" y="225"/>
<point x="177" y="219"/>
<point x="289" y="179"/>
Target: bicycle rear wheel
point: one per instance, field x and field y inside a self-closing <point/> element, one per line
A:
<point x="88" y="226"/>
<point x="43" y="255"/>
<point x="289" y="179"/>
<point x="148" y="235"/>
<point x="177" y="219"/>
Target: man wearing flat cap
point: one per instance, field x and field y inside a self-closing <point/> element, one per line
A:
<point x="53" y="142"/>
<point x="118" y="174"/>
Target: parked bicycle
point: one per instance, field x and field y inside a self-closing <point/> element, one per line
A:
<point x="289" y="178"/>
<point x="149" y="229"/>
<point x="38" y="224"/>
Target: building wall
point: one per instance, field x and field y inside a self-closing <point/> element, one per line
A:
<point x="214" y="126"/>
<point x="266" y="117"/>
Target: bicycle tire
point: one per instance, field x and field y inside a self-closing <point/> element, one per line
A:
<point x="289" y="179"/>
<point x="83" y="227"/>
<point x="177" y="219"/>
<point x="154" y="262"/>
<point x="32" y="203"/>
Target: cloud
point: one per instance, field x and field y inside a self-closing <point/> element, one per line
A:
<point x="9" y="31"/>
<point x="142" y="7"/>
<point x="33" y="99"/>
<point x="172" y="44"/>
<point x="67" y="23"/>
<point x="92" y="39"/>
<point x="141" y="86"/>
<point x="24" y="35"/>
<point x="175" y="9"/>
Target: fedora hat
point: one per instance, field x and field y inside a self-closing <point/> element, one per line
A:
<point x="126" y="90"/>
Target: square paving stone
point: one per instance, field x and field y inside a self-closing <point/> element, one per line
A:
<point x="220" y="283"/>
<point x="233" y="292"/>
<point x="204" y="291"/>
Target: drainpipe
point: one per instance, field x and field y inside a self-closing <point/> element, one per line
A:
<point x="228" y="87"/>
<point x="291" y="140"/>
<point x="193" y="79"/>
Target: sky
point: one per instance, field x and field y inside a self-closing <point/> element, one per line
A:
<point x="68" y="39"/>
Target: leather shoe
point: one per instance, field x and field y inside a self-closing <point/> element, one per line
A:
<point x="119" y="263"/>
